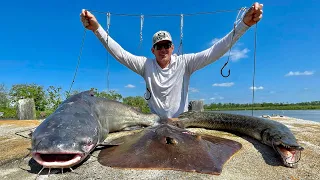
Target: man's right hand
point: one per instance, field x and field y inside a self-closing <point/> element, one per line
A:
<point x="88" y="20"/>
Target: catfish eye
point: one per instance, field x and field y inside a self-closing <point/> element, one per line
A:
<point x="89" y="142"/>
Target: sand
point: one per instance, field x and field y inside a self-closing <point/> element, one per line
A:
<point x="253" y="161"/>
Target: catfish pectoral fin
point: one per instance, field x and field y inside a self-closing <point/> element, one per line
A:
<point x="112" y="143"/>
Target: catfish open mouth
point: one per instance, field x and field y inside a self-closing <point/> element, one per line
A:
<point x="58" y="160"/>
<point x="290" y="154"/>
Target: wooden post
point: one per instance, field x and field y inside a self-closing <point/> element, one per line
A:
<point x="26" y="109"/>
<point x="196" y="106"/>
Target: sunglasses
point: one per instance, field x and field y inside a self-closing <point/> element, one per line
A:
<point x="164" y="45"/>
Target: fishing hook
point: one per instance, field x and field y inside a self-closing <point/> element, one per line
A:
<point x="225" y="64"/>
<point x="223" y="68"/>
<point x="239" y="17"/>
<point x="146" y="93"/>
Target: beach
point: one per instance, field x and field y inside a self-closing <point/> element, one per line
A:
<point x="253" y="161"/>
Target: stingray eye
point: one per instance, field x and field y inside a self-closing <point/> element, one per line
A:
<point x="170" y="140"/>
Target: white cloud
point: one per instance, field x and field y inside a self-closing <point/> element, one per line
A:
<point x="223" y="84"/>
<point x="130" y="86"/>
<point x="298" y="73"/>
<point x="256" y="88"/>
<point x="217" y="98"/>
<point x="194" y="90"/>
<point x="237" y="54"/>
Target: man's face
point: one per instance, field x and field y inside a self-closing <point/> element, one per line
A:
<point x="163" y="51"/>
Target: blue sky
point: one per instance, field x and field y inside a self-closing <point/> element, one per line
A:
<point x="41" y="40"/>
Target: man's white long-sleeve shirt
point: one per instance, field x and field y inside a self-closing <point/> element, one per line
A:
<point x="169" y="86"/>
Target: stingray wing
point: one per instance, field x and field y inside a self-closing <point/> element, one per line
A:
<point x="164" y="147"/>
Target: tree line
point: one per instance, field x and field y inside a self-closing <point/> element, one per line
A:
<point x="263" y="106"/>
<point x="47" y="100"/>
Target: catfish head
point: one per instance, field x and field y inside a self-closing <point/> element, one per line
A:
<point x="65" y="139"/>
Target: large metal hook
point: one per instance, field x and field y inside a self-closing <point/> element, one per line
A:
<point x="145" y="94"/>
<point x="223" y="68"/>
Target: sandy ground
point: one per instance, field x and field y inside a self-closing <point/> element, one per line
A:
<point x="253" y="161"/>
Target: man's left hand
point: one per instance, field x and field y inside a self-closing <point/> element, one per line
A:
<point x="253" y="15"/>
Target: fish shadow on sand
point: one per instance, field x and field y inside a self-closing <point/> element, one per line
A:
<point x="35" y="168"/>
<point x="268" y="154"/>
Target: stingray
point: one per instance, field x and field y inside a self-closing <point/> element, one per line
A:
<point x="169" y="147"/>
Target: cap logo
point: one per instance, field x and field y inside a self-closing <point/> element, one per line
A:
<point x="161" y="36"/>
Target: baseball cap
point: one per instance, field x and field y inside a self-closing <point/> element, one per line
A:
<point x="161" y="36"/>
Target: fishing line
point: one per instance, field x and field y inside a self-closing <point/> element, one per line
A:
<point x="142" y="19"/>
<point x="19" y="165"/>
<point x="108" y="27"/>
<point x="243" y="11"/>
<point x="225" y="64"/>
<point x="79" y="57"/>
<point x="40" y="172"/>
<point x="181" y="35"/>
<point x="254" y="66"/>
<point x="166" y="15"/>
<point x="17" y="133"/>
<point x="239" y="17"/>
<point x="141" y="27"/>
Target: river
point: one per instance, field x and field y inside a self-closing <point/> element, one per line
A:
<point x="312" y="115"/>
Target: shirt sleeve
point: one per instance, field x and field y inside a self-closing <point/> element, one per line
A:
<point x="196" y="61"/>
<point x="133" y="62"/>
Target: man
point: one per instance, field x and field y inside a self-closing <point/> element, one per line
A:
<point x="167" y="76"/>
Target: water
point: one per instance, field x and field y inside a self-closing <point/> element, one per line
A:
<point x="311" y="115"/>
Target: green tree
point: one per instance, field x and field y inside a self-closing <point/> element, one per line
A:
<point x="23" y="91"/>
<point x="54" y="97"/>
<point x="67" y="94"/>
<point x="112" y="95"/>
<point x="138" y="102"/>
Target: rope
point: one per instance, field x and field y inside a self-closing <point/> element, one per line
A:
<point x="238" y="18"/>
<point x="141" y="27"/>
<point x="181" y="34"/>
<point x="79" y="57"/>
<point x="167" y="15"/>
<point x="108" y="21"/>
<point x="108" y="27"/>
<point x="254" y="65"/>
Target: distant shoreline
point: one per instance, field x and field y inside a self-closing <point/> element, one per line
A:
<point x="264" y="108"/>
<point x="305" y="114"/>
